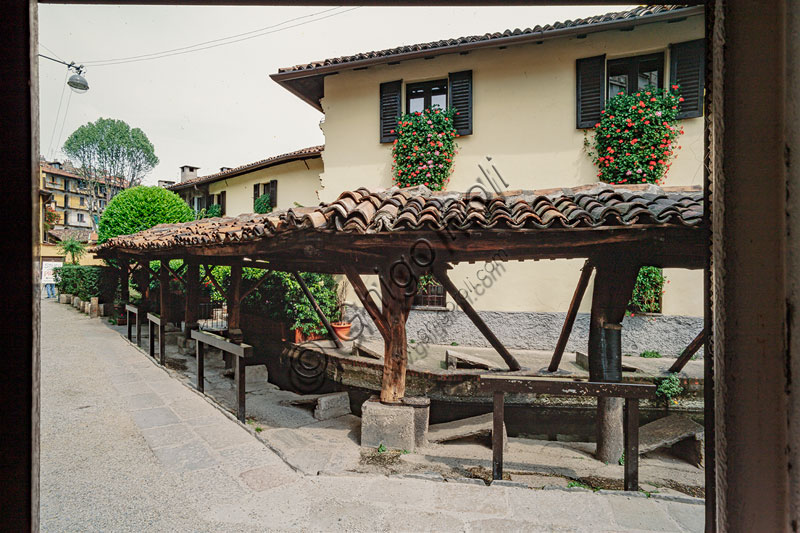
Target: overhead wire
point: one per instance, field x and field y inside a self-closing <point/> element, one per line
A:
<point x="58" y="112"/>
<point x="217" y="42"/>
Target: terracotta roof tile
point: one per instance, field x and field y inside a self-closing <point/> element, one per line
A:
<point x="417" y="208"/>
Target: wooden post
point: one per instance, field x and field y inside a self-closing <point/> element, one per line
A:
<point x="239" y="378"/>
<point x="200" y="361"/>
<point x="317" y="309"/>
<point x="192" y="309"/>
<point x="690" y="350"/>
<point x="124" y="282"/>
<point x="613" y="285"/>
<point x="465" y="306"/>
<point x="234" y="310"/>
<point x="497" y="434"/>
<point x="163" y="292"/>
<point x="572" y="313"/>
<point x="129" y="326"/>
<point x="631" y="444"/>
<point x="151" y="336"/>
<point x="396" y="306"/>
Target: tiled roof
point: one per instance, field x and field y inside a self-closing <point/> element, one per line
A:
<point x="633" y="15"/>
<point x="395" y="210"/>
<point x="303" y="153"/>
<point x="82" y="235"/>
<point x="50" y="169"/>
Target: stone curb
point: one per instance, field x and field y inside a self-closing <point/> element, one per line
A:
<point x="467" y="481"/>
<point x="504" y="483"/>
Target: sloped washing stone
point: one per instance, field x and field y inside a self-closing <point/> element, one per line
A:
<point x="332" y="406"/>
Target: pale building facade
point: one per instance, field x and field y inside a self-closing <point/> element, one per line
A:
<point x="525" y="116"/>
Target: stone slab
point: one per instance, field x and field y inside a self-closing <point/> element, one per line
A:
<point x="332" y="406"/>
<point x="459" y="429"/>
<point x="390" y="425"/>
<point x="362" y="349"/>
<point x="665" y="432"/>
<point x="454" y="359"/>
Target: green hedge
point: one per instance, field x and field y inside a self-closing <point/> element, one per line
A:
<point x="85" y="281"/>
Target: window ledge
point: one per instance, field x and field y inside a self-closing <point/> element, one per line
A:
<point x="428" y="308"/>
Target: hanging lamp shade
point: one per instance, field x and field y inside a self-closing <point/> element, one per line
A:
<point x="78" y="83"/>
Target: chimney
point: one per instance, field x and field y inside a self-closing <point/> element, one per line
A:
<point x="165" y="183"/>
<point x="188" y="172"/>
<point x="224" y="169"/>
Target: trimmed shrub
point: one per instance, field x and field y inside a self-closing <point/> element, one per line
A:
<point x="141" y="208"/>
<point x="263" y="204"/>
<point x="87" y="281"/>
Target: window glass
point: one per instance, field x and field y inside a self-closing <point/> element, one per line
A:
<point x="648" y="73"/>
<point x="421" y="96"/>
<point x="617" y="78"/>
<point x="631" y="74"/>
<point x="416" y="99"/>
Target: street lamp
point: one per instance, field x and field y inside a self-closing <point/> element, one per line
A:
<point x="76" y="82"/>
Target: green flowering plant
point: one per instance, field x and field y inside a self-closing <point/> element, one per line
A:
<point x="636" y="136"/>
<point x="424" y="149"/>
<point x="646" y="296"/>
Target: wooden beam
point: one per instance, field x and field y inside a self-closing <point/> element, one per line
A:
<point x="165" y="264"/>
<point x="690" y="350"/>
<point x="366" y="300"/>
<point x="572" y="313"/>
<point x="210" y="276"/>
<point x="163" y="293"/>
<point x="124" y="280"/>
<point x="317" y="309"/>
<point x="465" y="306"/>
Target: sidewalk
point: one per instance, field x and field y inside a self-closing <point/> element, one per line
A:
<point x="125" y="447"/>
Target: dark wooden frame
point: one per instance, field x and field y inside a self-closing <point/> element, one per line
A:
<point x="154" y="320"/>
<point x="499" y="386"/>
<point x="134" y="310"/>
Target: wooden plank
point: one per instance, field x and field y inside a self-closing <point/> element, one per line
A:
<point x="465" y="306"/>
<point x="498" y="401"/>
<point x="687" y="354"/>
<point x="163" y="293"/>
<point x="366" y="300"/>
<point x="565" y="387"/>
<point x="572" y="313"/>
<point x="317" y="309"/>
<point x="631" y="423"/>
<point x="132" y="309"/>
<point x="154" y="318"/>
<point x="221" y="343"/>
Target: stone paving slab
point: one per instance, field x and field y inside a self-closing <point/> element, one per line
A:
<point x="111" y="462"/>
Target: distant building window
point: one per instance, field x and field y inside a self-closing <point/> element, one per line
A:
<point x="81" y="217"/>
<point x="83" y="201"/>
<point x="421" y="96"/>
<point x="432" y="295"/>
<point x="631" y="74"/>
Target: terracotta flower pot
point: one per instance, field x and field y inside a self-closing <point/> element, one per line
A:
<point x="300" y="337"/>
<point x="342" y="330"/>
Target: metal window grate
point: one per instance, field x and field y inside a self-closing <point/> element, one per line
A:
<point x="433" y="295"/>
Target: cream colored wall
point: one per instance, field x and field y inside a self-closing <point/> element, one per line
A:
<point x="524" y="118"/>
<point x="298" y="181"/>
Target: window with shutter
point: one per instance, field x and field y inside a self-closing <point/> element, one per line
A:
<point x="256" y="191"/>
<point x="687" y="69"/>
<point x="272" y="189"/>
<point x="390" y="109"/>
<point x="461" y="100"/>
<point x="591" y="96"/>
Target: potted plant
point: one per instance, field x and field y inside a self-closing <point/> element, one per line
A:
<point x="341" y="327"/>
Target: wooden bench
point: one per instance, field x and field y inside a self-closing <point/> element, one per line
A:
<point x="134" y="310"/>
<point x="244" y="357"/>
<point x="631" y="392"/>
<point x="152" y="321"/>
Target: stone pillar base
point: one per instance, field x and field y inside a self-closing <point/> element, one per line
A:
<point x="390" y="425"/>
<point x="422" y="410"/>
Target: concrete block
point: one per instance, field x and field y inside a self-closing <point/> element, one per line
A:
<point x="332" y="406"/>
<point x="390" y="425"/>
<point x="64" y="298"/>
<point x="94" y="308"/>
<point x="422" y="409"/>
<point x="454" y="359"/>
<point x="76" y="302"/>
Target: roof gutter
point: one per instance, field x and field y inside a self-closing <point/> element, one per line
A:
<point x="489" y="43"/>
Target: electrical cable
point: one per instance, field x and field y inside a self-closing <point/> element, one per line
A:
<point x="64" y="120"/>
<point x="193" y="48"/>
<point x="55" y="122"/>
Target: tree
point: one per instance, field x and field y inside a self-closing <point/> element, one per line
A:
<point x="141" y="208"/>
<point x="109" y="149"/>
<point x="72" y="246"/>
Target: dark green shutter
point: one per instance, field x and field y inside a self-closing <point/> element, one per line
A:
<point x="222" y="203"/>
<point x="687" y="69"/>
<point x="272" y="187"/>
<point x="591" y="90"/>
<point x="460" y="97"/>
<point x="390" y="96"/>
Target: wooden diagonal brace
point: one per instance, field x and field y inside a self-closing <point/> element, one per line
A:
<point x="254" y="287"/>
<point x="317" y="308"/>
<point x="441" y="275"/>
<point x="214" y="282"/>
<point x="367" y="301"/>
<point x="177" y="276"/>
<point x="572" y="313"/>
<point x="690" y="350"/>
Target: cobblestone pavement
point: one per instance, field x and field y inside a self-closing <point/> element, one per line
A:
<point x="125" y="447"/>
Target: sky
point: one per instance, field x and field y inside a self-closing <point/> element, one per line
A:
<point x="217" y="107"/>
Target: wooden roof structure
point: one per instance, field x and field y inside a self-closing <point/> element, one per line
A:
<point x="402" y="234"/>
